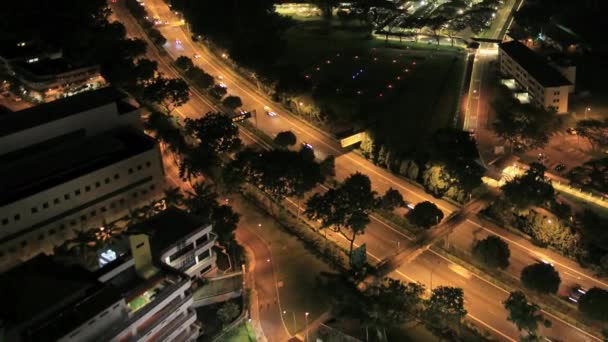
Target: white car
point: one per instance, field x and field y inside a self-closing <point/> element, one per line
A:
<point x="271" y="113"/>
<point x="197" y="56"/>
<point x="178" y="42"/>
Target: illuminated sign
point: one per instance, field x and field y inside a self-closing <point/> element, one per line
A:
<point x="353" y="139"/>
<point x="241" y="116"/>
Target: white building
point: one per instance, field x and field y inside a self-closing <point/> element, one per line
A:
<point x="64" y="169"/>
<point x="178" y="239"/>
<point x="46" y="301"/>
<point x="547" y="87"/>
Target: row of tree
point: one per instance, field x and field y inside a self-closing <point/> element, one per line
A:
<point x="446" y="166"/>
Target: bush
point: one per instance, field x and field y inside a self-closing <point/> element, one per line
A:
<point x="541" y="277"/>
<point x="492" y="252"/>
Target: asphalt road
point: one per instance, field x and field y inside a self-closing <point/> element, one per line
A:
<point x="381" y="239"/>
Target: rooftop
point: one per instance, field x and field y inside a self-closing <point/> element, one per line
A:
<point x="536" y="66"/>
<point x="54" y="163"/>
<point x="51" y="299"/>
<point x="38" y="115"/>
<point x="168" y="228"/>
<point x="47" y="66"/>
<point x="20" y="50"/>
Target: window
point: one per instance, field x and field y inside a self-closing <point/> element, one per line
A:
<point x="116" y="176"/>
<point x="83" y="218"/>
<point x="138" y="167"/>
<point x="103" y="313"/>
<point x="97" y="184"/>
<point x="62" y="226"/>
<point x="93" y="213"/>
<point x="203" y="255"/>
<point x="56" y="201"/>
<point x="51" y="231"/>
<point x="130" y="170"/>
<point x="23" y="243"/>
<point x="77" y="192"/>
<point x="152" y="187"/>
<point x="107" y="180"/>
<point x="103" y="209"/>
<point x="40" y="237"/>
<point x="139" y="245"/>
<point x="73" y="223"/>
<point x="121" y="201"/>
<point x="112" y="205"/>
<point x="87" y="188"/>
<point x="45" y="205"/>
<point x="144" y="191"/>
<point x="66" y="196"/>
<point x="17" y="217"/>
<point x="148" y="164"/>
<point x="34" y="210"/>
<point x="135" y="194"/>
<point x="4" y="221"/>
<point x="202" y="240"/>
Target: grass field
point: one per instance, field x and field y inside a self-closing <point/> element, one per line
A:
<point x="403" y="92"/>
<point x="241" y="333"/>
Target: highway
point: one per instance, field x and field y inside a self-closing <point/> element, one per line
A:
<point x="382" y="240"/>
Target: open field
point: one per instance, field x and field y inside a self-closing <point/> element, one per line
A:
<point x="402" y="93"/>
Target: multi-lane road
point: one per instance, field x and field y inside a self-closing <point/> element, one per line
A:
<point x="483" y="299"/>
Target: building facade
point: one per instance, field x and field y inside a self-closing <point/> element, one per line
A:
<point x="80" y="170"/>
<point x="547" y="87"/>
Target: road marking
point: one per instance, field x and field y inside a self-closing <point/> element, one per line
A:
<point x="491" y="328"/>
<point x="533" y="252"/>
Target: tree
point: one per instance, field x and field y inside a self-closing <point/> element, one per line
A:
<point x="173" y="197"/>
<point x="200" y="78"/>
<point x="232" y="102"/>
<point x="145" y="70"/>
<point x="445" y="307"/>
<point x="169" y="93"/>
<point x="541" y="277"/>
<point x="526" y="316"/>
<point x="184" y="63"/>
<point x="225" y="222"/>
<point x="285" y="139"/>
<point x="595" y="131"/>
<point x="425" y="214"/>
<point x="525" y="126"/>
<point x="492" y="252"/>
<point x="215" y="131"/>
<point x="591" y="175"/>
<point x="202" y="200"/>
<point x="392" y="199"/>
<point x="218" y="91"/>
<point x="436" y="24"/>
<point x="328" y="166"/>
<point x="594" y="304"/>
<point x="344" y="209"/>
<point x="455" y="179"/>
<point x="156" y="37"/>
<point x="531" y="188"/>
<point x="167" y="131"/>
<point x="228" y="312"/>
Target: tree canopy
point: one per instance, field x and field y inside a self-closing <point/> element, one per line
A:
<point x="492" y="252"/>
<point x="445" y="307"/>
<point x="346" y="208"/>
<point x="391" y="199"/>
<point x="526" y="316"/>
<point x="425" y="214"/>
<point x="167" y="92"/>
<point x="541" y="277"/>
<point x="285" y="139"/>
<point x="595" y="131"/>
<point x="531" y="188"/>
<point x="594" y="304"/>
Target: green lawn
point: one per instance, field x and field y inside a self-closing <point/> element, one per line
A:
<point x="241" y="333"/>
<point x="404" y="93"/>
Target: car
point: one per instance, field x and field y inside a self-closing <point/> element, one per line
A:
<point x="307" y="145"/>
<point x="178" y="42"/>
<point x="197" y="56"/>
<point x="572" y="131"/>
<point x="271" y="113"/>
<point x="560" y="167"/>
<point x="576" y="293"/>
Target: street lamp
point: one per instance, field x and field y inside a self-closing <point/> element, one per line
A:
<point x="587" y="110"/>
<point x="293" y="314"/>
<point x="306" y="316"/>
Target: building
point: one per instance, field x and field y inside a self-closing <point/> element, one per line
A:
<point x="180" y="240"/>
<point x="547" y="87"/>
<point x="46" y="301"/>
<point x="43" y="73"/>
<point x="70" y="165"/>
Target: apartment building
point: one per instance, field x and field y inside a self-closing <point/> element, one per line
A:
<point x="47" y="301"/>
<point x="547" y="87"/>
<point x="178" y="239"/>
<point x="69" y="166"/>
<point x="42" y="71"/>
